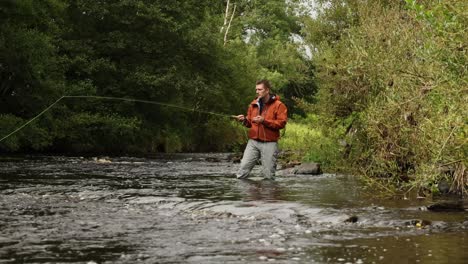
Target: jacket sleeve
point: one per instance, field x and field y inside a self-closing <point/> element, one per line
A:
<point x="248" y="119"/>
<point x="281" y="118"/>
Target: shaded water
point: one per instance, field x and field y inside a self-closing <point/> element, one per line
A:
<point x="190" y="209"/>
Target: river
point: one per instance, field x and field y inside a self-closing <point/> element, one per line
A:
<point x="189" y="208"/>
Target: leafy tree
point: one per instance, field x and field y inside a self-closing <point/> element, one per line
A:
<point x="270" y="31"/>
<point x="30" y="71"/>
<point x="162" y="51"/>
<point x="393" y="73"/>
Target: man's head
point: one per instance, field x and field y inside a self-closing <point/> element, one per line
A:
<point x="262" y="89"/>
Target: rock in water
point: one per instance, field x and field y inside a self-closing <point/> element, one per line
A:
<point x="235" y="157"/>
<point x="451" y="206"/>
<point x="213" y="159"/>
<point x="308" y="168"/>
<point x="421" y="223"/>
<point x="352" y="219"/>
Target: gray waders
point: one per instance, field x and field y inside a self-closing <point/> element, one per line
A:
<point x="267" y="152"/>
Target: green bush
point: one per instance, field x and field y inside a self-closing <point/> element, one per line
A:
<point x="89" y="132"/>
<point x="309" y="139"/>
<point x="8" y="123"/>
<point x="34" y="136"/>
<point x="222" y="134"/>
<point x="401" y="72"/>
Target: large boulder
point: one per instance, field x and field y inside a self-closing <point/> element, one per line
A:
<point x="308" y="168"/>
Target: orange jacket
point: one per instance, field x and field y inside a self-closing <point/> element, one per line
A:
<point x="275" y="116"/>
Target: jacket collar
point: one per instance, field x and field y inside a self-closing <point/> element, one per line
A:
<point x="273" y="97"/>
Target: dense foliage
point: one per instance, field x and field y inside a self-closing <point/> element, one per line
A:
<point x="393" y="78"/>
<point x="176" y="52"/>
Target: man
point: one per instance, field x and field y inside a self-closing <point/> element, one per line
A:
<point x="266" y="115"/>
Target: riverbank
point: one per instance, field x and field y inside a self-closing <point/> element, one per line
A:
<point x="336" y="147"/>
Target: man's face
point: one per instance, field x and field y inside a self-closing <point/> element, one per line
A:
<point x="261" y="90"/>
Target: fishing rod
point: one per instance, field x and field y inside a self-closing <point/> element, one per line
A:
<point x="114" y="98"/>
<point x="148" y="102"/>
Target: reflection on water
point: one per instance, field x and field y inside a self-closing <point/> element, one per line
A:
<point x="190" y="208"/>
<point x="260" y="190"/>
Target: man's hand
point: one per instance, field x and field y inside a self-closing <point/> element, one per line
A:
<point x="239" y="118"/>
<point x="258" y="119"/>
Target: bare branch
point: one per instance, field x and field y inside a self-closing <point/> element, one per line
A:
<point x="229" y="25"/>
<point x="225" y="17"/>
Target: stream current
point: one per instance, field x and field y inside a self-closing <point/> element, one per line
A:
<point x="189" y="208"/>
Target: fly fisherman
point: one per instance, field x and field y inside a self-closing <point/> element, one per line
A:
<point x="266" y="115"/>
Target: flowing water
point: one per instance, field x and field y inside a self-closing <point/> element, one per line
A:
<point x="189" y="208"/>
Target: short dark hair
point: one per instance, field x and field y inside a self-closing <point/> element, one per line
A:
<point x="265" y="83"/>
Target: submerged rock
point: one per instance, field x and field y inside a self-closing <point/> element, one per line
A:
<point x="235" y="157"/>
<point x="450" y="206"/>
<point x="308" y="168"/>
<point x="213" y="159"/>
<point x="352" y="219"/>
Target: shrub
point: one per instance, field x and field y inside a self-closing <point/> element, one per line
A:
<point x="401" y="72"/>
